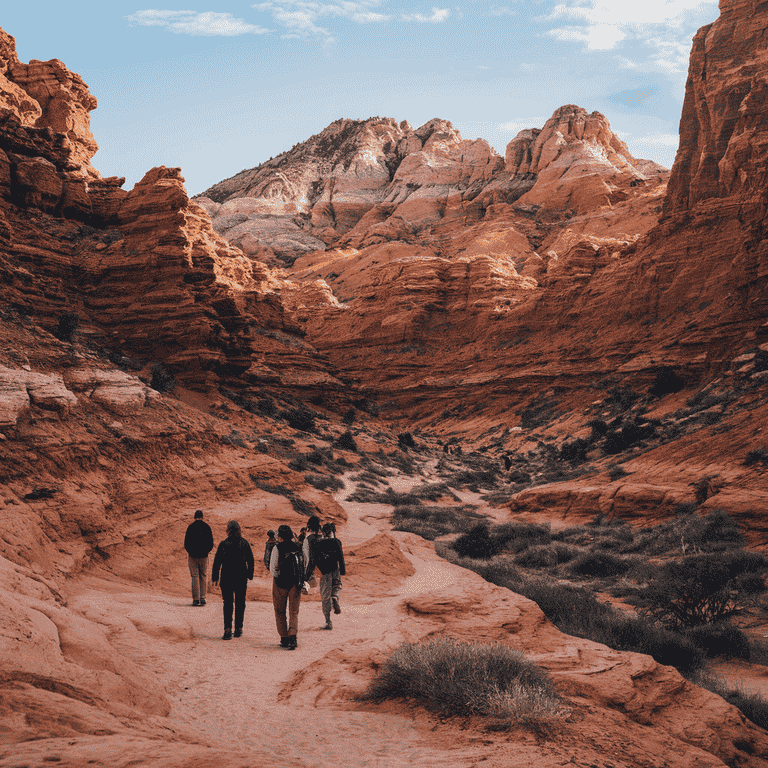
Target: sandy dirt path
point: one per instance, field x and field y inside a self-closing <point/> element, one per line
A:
<point x="227" y="693"/>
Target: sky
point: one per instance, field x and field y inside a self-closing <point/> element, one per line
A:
<point x="215" y="88"/>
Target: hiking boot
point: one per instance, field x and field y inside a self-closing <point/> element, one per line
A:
<point x="336" y="606"/>
<point x="283" y="642"/>
<point x="227" y="634"/>
<point x="195" y="602"/>
<point x="202" y="601"/>
<point x="328" y="623"/>
<point x="292" y="644"/>
<point x="239" y="632"/>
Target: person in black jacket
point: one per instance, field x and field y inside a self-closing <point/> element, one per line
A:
<point x="198" y="541"/>
<point x="234" y="559"/>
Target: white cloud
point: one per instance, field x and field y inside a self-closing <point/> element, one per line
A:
<point x="663" y="139"/>
<point x="206" y="23"/>
<point x="603" y="24"/>
<point x="515" y="126"/>
<point x="438" y="15"/>
<point x="301" y="17"/>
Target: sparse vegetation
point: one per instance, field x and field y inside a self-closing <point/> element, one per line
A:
<point x="456" y="678"/>
<point x="67" y="325"/>
<point x="430" y="521"/>
<point x="162" y="379"/>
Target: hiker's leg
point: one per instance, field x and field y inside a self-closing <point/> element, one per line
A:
<point x="326" y="583"/>
<point x="336" y="584"/>
<point x="193" y="574"/>
<point x="240" y="589"/>
<point x="294" y="598"/>
<point x="279" y="602"/>
<point x="228" y="597"/>
<point x="202" y="569"/>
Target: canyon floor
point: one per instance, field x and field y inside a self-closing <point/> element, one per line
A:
<point x="248" y="702"/>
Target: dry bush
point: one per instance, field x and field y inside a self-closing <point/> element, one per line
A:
<point x="456" y="678"/>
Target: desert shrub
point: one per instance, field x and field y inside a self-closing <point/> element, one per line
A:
<point x="475" y="479"/>
<point x="349" y="417"/>
<point x="266" y="406"/>
<point x="537" y="557"/>
<point x="716" y="529"/>
<point x="299" y="463"/>
<point x="538" y="412"/>
<point x="575" y="451"/>
<point x="405" y="441"/>
<point x="616" y="472"/>
<point x="623" y="397"/>
<point x="756" y="456"/>
<point x="430" y="521"/>
<point x="598" y="427"/>
<point x="477" y="543"/>
<point x="324" y="482"/>
<point x="619" y="440"/>
<point x="304" y="507"/>
<point x="455" y="678"/>
<point x="234" y="438"/>
<point x="720" y="640"/>
<point x="67" y="324"/>
<point x="694" y="590"/>
<point x="599" y="565"/>
<point x="346" y="442"/>
<point x="519" y="536"/>
<point x="300" y="419"/>
<point x="667" y="382"/>
<point x="433" y="492"/>
<point x="162" y="379"/>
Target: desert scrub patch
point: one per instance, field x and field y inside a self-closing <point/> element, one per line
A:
<point x="430" y="521"/>
<point x="599" y="565"/>
<point x="456" y="678"/>
<point x="752" y="705"/>
<point x="324" y="482"/>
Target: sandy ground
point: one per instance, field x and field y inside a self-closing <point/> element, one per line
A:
<point x="227" y="693"/>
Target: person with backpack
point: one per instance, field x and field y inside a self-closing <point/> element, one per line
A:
<point x="198" y="542"/>
<point x="287" y="568"/>
<point x="329" y="560"/>
<point x="268" y="547"/>
<point x="234" y="560"/>
<point x="308" y="548"/>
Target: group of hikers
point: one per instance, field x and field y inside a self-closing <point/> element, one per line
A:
<point x="291" y="561"/>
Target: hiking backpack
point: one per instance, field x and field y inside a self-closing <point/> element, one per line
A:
<point x="268" y="553"/>
<point x="290" y="572"/>
<point x="326" y="555"/>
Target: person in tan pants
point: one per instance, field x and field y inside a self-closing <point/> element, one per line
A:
<point x="287" y="568"/>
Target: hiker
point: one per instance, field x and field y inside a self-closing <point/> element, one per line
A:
<point x="234" y="559"/>
<point x="287" y="569"/>
<point x="329" y="560"/>
<point x="268" y="547"/>
<point x="308" y="548"/>
<point x="198" y="542"/>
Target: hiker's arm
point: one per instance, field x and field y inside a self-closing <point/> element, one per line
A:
<point x="273" y="562"/>
<point x="342" y="567"/>
<point x="216" y="567"/>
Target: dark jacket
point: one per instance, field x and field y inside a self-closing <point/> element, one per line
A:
<point x="333" y="559"/>
<point x="198" y="541"/>
<point x="234" y="559"/>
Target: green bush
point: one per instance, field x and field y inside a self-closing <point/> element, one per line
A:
<point x="346" y="442"/>
<point x="456" y="678"/>
<point x="324" y="482"/>
<point x="756" y="456"/>
<point x="300" y="419"/>
<point x="477" y="543"/>
<point x="720" y="641"/>
<point x="695" y="590"/>
<point x="430" y="521"/>
<point x="599" y="565"/>
<point x="667" y="382"/>
<point x="162" y="379"/>
<point x="67" y="325"/>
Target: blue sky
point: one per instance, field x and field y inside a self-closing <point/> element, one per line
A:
<point x="218" y="87"/>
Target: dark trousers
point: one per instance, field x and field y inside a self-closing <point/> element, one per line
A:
<point x="233" y="596"/>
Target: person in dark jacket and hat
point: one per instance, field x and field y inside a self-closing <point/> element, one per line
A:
<point x="198" y="541"/>
<point x="234" y="560"/>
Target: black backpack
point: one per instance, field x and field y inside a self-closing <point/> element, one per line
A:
<point x="290" y="572"/>
<point x="326" y="555"/>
